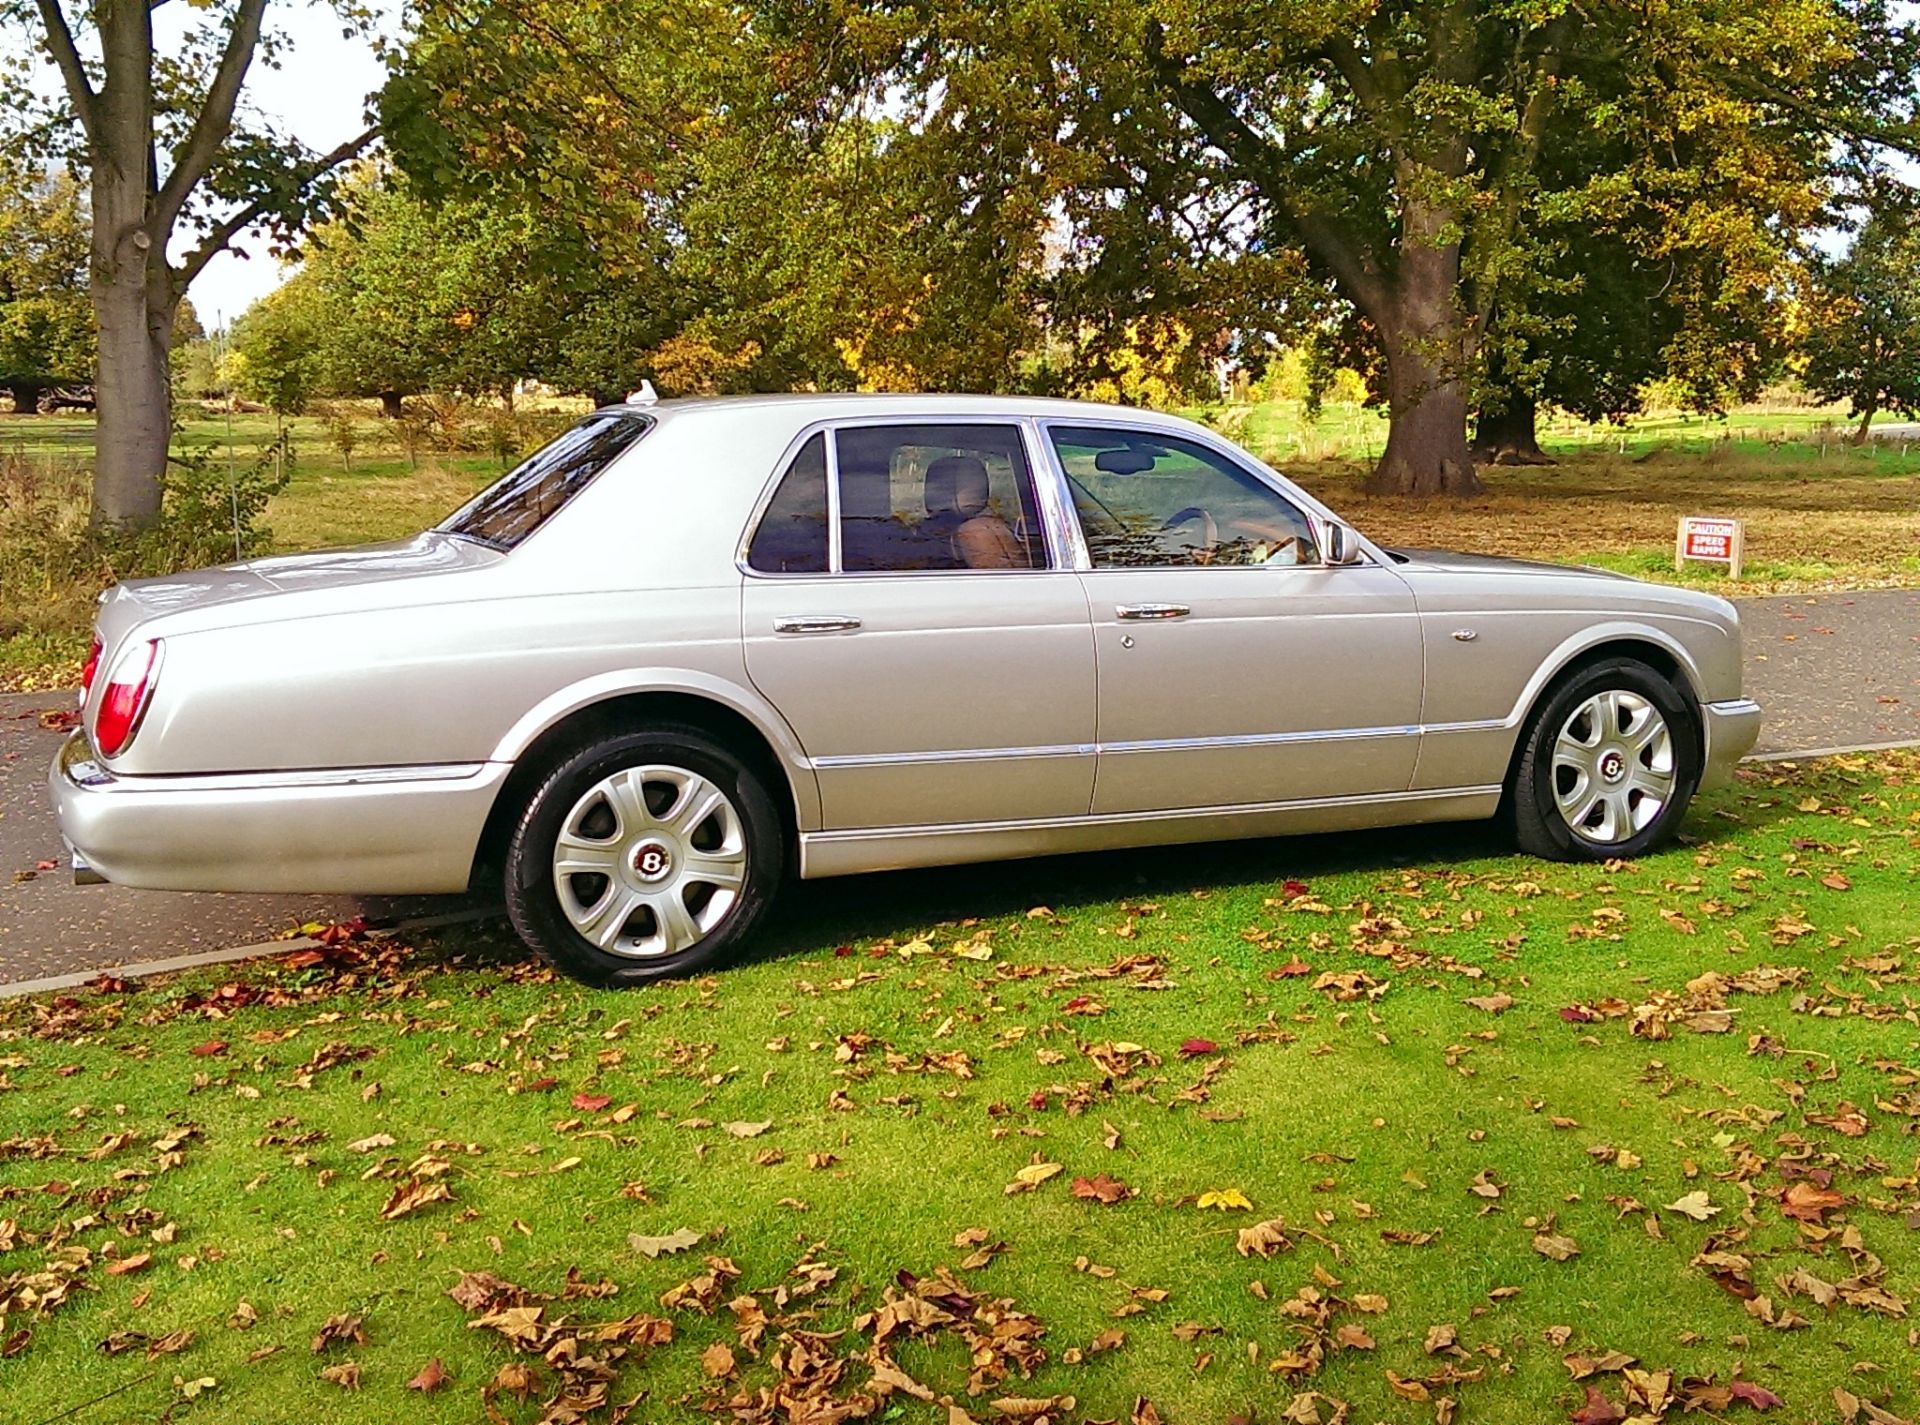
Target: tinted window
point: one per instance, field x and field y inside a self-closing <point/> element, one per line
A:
<point x="792" y="537"/>
<point x="925" y="497"/>
<point x="1147" y="500"/>
<point x="530" y="494"/>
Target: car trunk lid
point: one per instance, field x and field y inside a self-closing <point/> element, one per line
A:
<point x="128" y="605"/>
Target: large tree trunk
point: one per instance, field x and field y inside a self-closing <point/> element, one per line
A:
<point x="1507" y="435"/>
<point x="131" y="286"/>
<point x="1866" y="422"/>
<point x="391" y="406"/>
<point x="134" y="400"/>
<point x="1428" y="344"/>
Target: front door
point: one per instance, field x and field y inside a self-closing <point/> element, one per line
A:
<point x="1235" y="667"/>
<point x="904" y="613"/>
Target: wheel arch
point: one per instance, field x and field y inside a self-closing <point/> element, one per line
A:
<point x="612" y="704"/>
<point x="1658" y="650"/>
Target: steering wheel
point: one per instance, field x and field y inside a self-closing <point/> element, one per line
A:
<point x="1194" y="514"/>
<point x="1283" y="546"/>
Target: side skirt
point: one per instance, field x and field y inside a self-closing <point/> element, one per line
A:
<point x="897" y="848"/>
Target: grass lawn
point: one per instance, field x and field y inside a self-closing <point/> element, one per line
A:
<point x="1394" y="1128"/>
<point x="1820" y="514"/>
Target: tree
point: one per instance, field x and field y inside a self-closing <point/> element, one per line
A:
<point x="156" y="134"/>
<point x="46" y="329"/>
<point x="276" y="354"/>
<point x="1398" y="147"/>
<point x="705" y="223"/>
<point x="1862" y="342"/>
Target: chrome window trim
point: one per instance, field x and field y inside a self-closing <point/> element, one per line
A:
<point x="647" y="424"/>
<point x="1311" y="511"/>
<point x="1031" y="446"/>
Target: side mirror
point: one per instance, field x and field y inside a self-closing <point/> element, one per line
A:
<point x="1341" y="546"/>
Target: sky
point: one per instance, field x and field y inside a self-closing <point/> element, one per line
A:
<point x="319" y="97"/>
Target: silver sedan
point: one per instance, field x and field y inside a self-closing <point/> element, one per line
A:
<point x="691" y="649"/>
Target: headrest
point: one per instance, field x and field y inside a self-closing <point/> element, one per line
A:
<point x="957" y="484"/>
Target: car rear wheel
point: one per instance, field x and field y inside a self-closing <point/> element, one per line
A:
<point x="1608" y="765"/>
<point x="644" y="856"/>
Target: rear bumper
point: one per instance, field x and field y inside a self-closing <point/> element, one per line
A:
<point x="1730" y="730"/>
<point x="357" y="831"/>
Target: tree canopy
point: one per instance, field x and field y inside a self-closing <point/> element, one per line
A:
<point x="46" y="324"/>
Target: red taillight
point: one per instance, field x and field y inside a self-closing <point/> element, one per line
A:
<point x="88" y="669"/>
<point x="129" y="690"/>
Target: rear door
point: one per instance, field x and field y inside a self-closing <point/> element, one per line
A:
<point x="906" y="612"/>
<point x="1236" y="668"/>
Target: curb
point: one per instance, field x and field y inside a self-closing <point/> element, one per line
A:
<point x="1813" y="754"/>
<point x="80" y="979"/>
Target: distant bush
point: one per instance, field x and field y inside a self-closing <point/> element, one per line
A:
<point x="53" y="562"/>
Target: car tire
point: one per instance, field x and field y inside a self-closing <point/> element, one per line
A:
<point x="644" y="856"/>
<point x="1607" y="767"/>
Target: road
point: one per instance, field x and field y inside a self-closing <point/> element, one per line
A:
<point x="1831" y="670"/>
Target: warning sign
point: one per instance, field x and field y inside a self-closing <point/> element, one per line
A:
<point x="1711" y="539"/>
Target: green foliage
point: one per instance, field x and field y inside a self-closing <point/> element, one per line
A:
<point x="278" y="348"/>
<point x="212" y="509"/>
<point x="1862" y="343"/>
<point x="46" y="320"/>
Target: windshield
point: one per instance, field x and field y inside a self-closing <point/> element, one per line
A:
<point x="536" y="489"/>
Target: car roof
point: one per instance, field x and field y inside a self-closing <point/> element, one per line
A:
<point x="851" y="405"/>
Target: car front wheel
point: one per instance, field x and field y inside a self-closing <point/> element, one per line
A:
<point x="1608" y="765"/>
<point x="647" y="855"/>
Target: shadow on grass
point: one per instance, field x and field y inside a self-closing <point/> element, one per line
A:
<point x="816" y="916"/>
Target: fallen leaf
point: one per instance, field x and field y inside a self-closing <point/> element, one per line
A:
<point x="676" y="1241"/>
<point x="1031" y="1176"/>
<point x="412" y="1195"/>
<point x="431" y="1377"/>
<point x="1225" y="1199"/>
<point x="1556" y="1246"/>
<point x="1101" y="1188"/>
<point x="346" y="1375"/>
<point x="1695" y="1205"/>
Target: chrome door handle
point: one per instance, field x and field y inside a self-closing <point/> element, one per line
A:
<point x="1151" y="611"/>
<point x="816" y="623"/>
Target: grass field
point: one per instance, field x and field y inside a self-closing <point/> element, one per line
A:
<point x="1371" y="1128"/>
<point x="1821" y="514"/>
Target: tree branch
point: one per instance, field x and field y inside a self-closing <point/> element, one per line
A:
<point x="215" y="120"/>
<point x="234" y="224"/>
<point x="1324" y="235"/>
<point x="67" y="56"/>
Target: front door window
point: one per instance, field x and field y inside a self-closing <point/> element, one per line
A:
<point x="1153" y="501"/>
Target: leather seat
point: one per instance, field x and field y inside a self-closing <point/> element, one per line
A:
<point x="957" y="494"/>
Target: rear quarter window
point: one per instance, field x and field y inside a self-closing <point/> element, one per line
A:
<point x="539" y="487"/>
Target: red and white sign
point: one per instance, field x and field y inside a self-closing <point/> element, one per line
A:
<point x="1711" y="539"/>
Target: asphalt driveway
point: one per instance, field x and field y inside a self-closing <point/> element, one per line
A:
<point x="1831" y="670"/>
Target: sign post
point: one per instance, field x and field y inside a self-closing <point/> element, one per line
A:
<point x="1711" y="539"/>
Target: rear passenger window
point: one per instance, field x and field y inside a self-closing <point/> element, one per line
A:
<point x="792" y="538"/>
<point x="916" y="498"/>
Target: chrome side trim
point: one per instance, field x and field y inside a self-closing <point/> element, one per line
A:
<point x="965" y="754"/>
<point x="1168" y="744"/>
<point x="1258" y="739"/>
<point x="274" y="781"/>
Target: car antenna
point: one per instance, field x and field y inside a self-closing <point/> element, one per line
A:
<point x="643" y="394"/>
